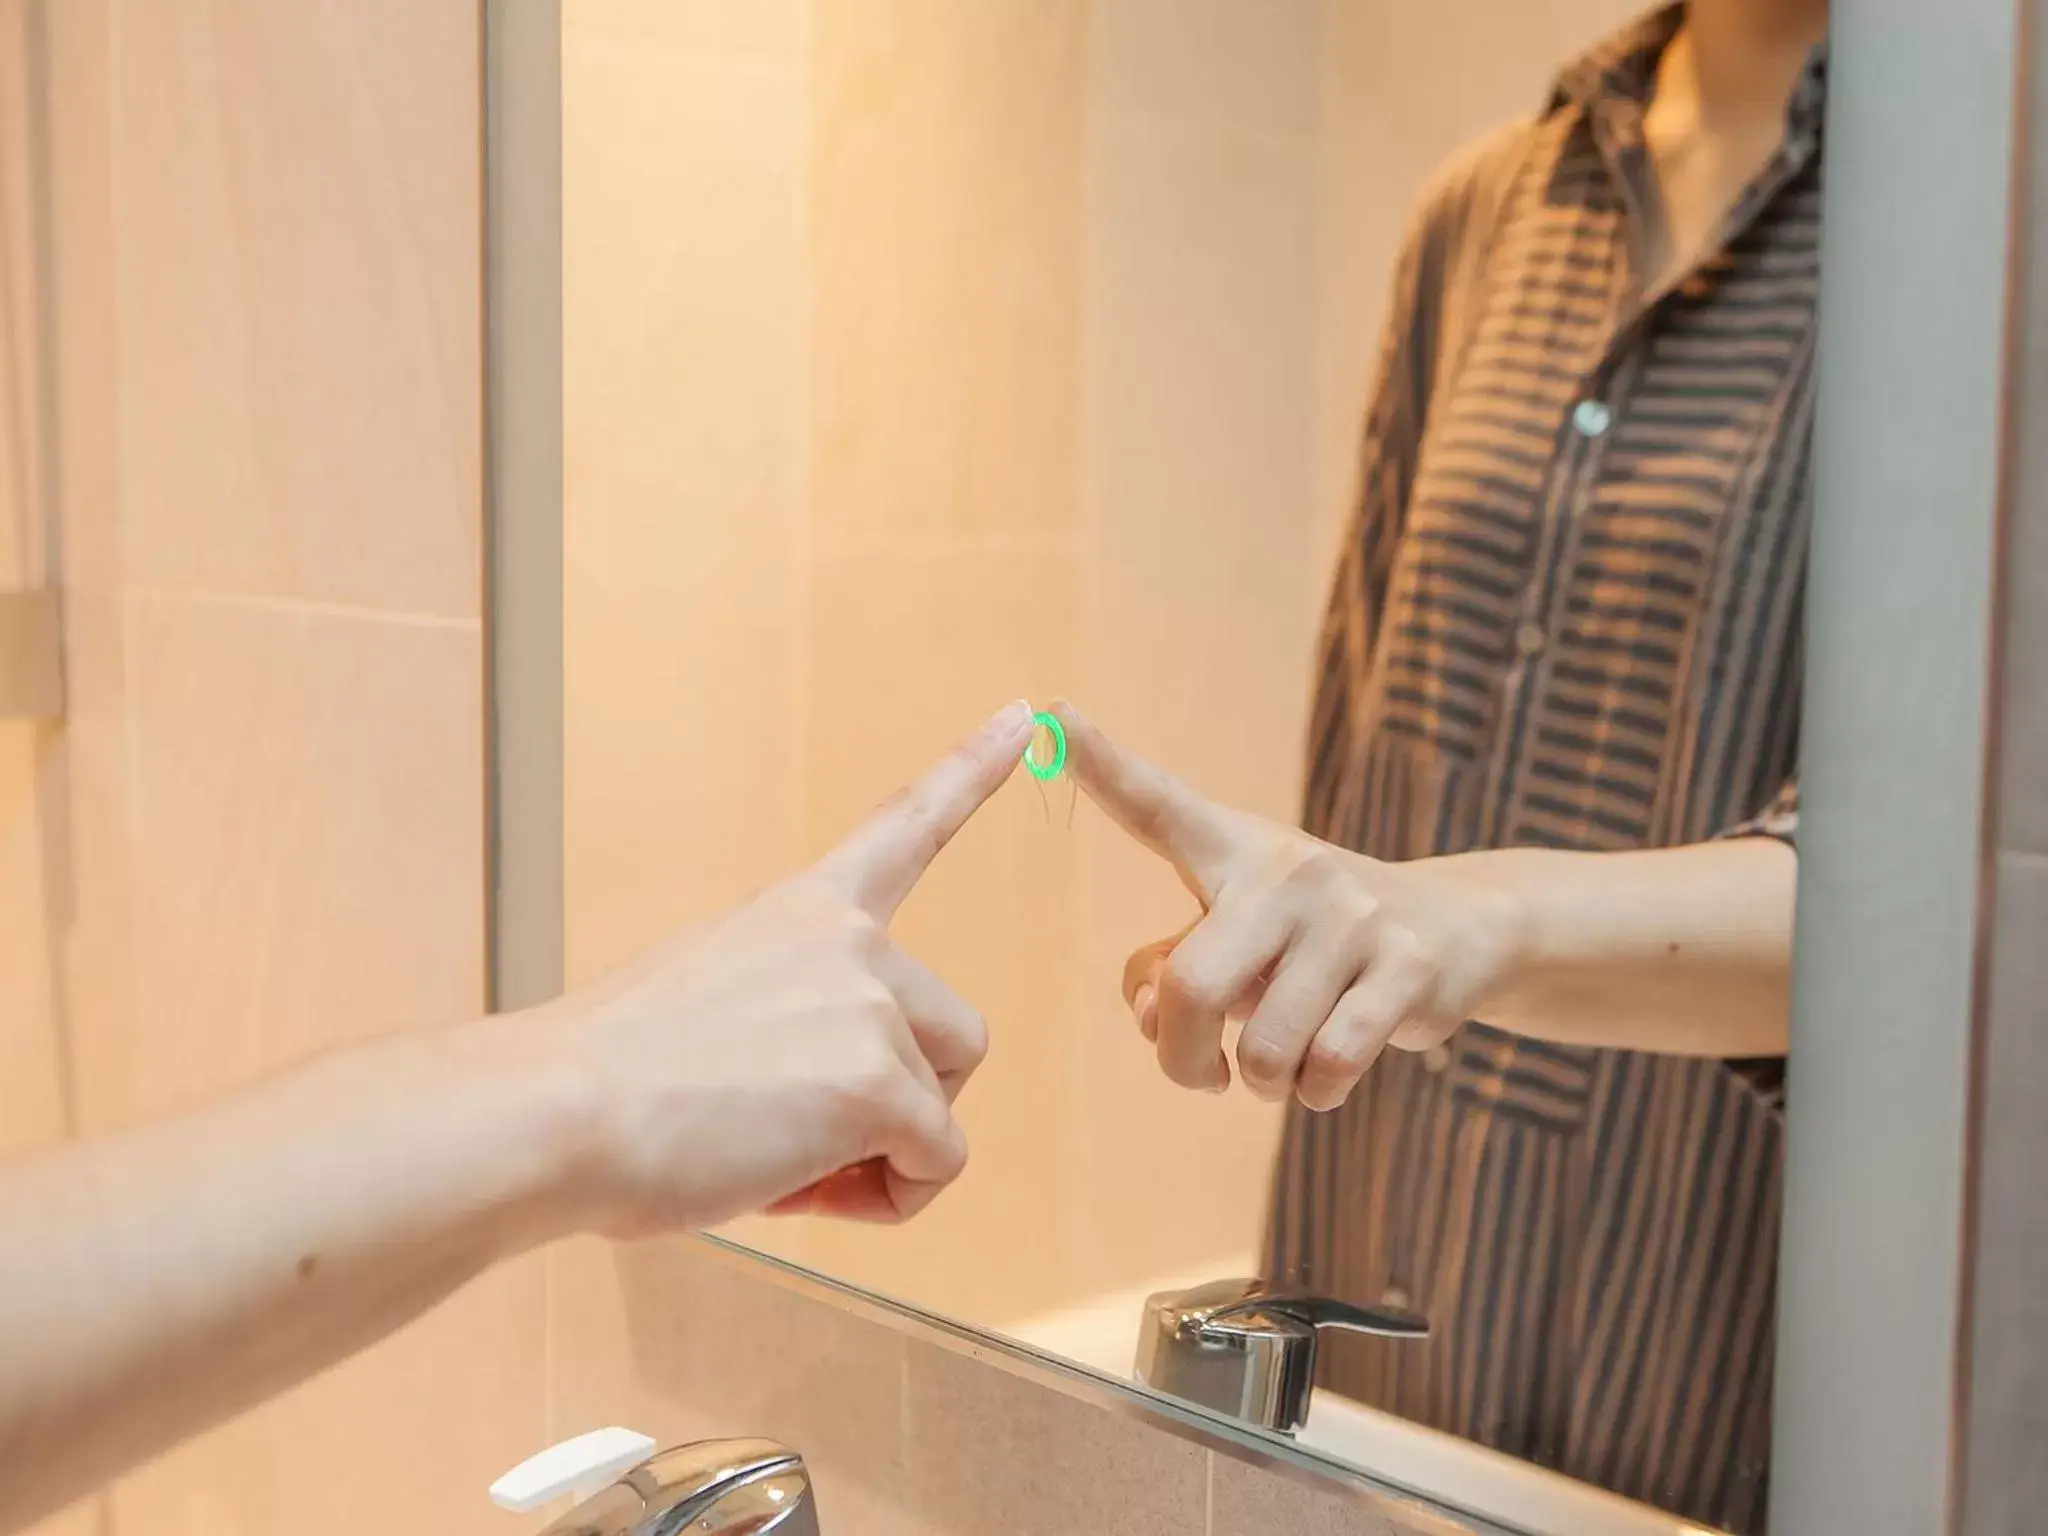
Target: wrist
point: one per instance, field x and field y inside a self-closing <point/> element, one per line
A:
<point x="522" y="1071"/>
<point x="1506" y="920"/>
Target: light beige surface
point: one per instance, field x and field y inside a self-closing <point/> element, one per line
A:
<point x="260" y="829"/>
<point x="919" y="356"/>
<point x="917" y="361"/>
<point x="297" y="208"/>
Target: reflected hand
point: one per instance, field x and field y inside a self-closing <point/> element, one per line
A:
<point x="1326" y="955"/>
<point x="788" y="1055"/>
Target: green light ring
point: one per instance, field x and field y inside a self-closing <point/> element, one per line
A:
<point x="1045" y="771"/>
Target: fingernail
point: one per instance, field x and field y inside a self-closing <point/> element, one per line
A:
<point x="1144" y="1008"/>
<point x="1219" y="1079"/>
<point x="1012" y="717"/>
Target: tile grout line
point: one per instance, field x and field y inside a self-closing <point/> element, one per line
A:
<point x="308" y="607"/>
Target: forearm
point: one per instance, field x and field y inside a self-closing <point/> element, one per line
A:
<point x="1681" y="950"/>
<point x="155" y="1282"/>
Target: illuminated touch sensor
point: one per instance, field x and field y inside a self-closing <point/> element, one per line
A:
<point x="1046" y="753"/>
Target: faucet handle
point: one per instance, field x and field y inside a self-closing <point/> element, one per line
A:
<point x="1245" y="1349"/>
<point x="1326" y="1312"/>
<point x="580" y="1466"/>
<point x="710" y="1488"/>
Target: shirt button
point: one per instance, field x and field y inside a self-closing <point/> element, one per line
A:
<point x="1435" y="1059"/>
<point x="1591" y="418"/>
<point x="1529" y="641"/>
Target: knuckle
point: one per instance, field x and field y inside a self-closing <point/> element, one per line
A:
<point x="1401" y="951"/>
<point x="855" y="936"/>
<point x="1305" y="867"/>
<point x="1342" y="1053"/>
<point x="1184" y="985"/>
<point x="1356" y="926"/>
<point x="1421" y="968"/>
<point x="1266" y="1058"/>
<point x="974" y="1040"/>
<point x="1419" y="1035"/>
<point x="870" y="940"/>
<point x="912" y="811"/>
<point x="870" y="1078"/>
<point x="871" y="1005"/>
<point x="919" y="817"/>
<point x="1286" y="868"/>
<point x="965" y="760"/>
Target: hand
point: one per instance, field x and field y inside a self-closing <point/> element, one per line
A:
<point x="788" y="1054"/>
<point x="1326" y="955"/>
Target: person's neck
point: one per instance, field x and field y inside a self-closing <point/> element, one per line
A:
<point x="1745" y="55"/>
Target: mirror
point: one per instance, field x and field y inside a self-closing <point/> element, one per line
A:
<point x="920" y="355"/>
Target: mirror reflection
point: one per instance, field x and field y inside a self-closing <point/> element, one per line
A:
<point x="1389" y="427"/>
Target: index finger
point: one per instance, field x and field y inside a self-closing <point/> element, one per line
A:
<point x="1149" y="803"/>
<point x="879" y="864"/>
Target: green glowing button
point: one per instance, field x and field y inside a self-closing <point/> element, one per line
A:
<point x="1046" y="753"/>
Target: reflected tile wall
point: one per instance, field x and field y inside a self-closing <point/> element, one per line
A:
<point x="945" y="285"/>
<point x="903" y="1438"/>
<point x="684" y="432"/>
<point x="1201" y="318"/>
<point x="923" y="355"/>
<point x="1013" y="304"/>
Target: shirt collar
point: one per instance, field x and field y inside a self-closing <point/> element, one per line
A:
<point x="1621" y="71"/>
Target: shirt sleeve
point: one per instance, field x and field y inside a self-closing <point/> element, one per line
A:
<point x="1445" y="237"/>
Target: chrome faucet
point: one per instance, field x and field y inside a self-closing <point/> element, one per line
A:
<point x="1244" y="1349"/>
<point x="711" y="1488"/>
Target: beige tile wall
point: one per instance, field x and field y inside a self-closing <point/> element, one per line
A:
<point x="261" y="826"/>
<point x="922" y="355"/>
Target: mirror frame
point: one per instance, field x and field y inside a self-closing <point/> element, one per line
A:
<point x="1896" y="835"/>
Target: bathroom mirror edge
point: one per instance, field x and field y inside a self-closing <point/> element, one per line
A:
<point x="525" y="902"/>
<point x="526" y="898"/>
<point x="1367" y="1491"/>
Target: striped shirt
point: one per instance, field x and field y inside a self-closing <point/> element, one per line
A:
<point x="1568" y="615"/>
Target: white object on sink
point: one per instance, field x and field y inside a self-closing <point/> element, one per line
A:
<point x="579" y="1467"/>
